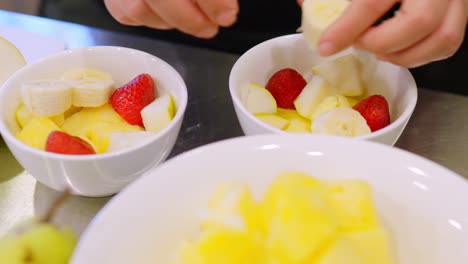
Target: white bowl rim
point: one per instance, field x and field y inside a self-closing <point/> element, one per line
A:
<point x="412" y="87"/>
<point x="255" y="140"/>
<point x="181" y="107"/>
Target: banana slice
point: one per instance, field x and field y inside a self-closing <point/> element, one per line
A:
<point x="46" y="97"/>
<point x="342" y="121"/>
<point x="90" y="87"/>
<point x="329" y="103"/>
<point x="317" y="15"/>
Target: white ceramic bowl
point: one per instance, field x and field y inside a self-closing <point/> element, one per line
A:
<point x="423" y="205"/>
<point x="263" y="60"/>
<point x="102" y="174"/>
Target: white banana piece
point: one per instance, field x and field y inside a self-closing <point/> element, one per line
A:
<point x="317" y="15"/>
<point x="342" y="121"/>
<point x="46" y="97"/>
<point x="90" y="87"/>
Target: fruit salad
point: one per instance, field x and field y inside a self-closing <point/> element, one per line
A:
<point x="82" y="112"/>
<point x="334" y="101"/>
<point x="299" y="219"/>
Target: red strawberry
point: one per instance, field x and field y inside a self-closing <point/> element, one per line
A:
<point x="61" y="142"/>
<point x="130" y="99"/>
<point x="285" y="85"/>
<point x="375" y="110"/>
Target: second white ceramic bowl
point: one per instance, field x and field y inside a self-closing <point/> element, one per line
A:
<point x="102" y="174"/>
<point x="263" y="60"/>
<point x="423" y="205"/>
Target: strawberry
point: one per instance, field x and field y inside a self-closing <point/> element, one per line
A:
<point x="63" y="143"/>
<point x="131" y="98"/>
<point x="285" y="85"/>
<point x="375" y="110"/>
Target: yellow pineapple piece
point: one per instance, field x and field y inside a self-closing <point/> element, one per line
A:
<point x="23" y="116"/>
<point x="298" y="126"/>
<point x="291" y="114"/>
<point x="231" y="206"/>
<point x="341" y="251"/>
<point x="373" y="245"/>
<point x="36" y="131"/>
<point x="71" y="111"/>
<point x="96" y="124"/>
<point x="223" y="246"/>
<point x="296" y="219"/>
<point x="99" y="133"/>
<point x="273" y="120"/>
<point x="352" y="203"/>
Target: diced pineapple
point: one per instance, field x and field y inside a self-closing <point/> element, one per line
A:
<point x="298" y="126"/>
<point x="72" y="110"/>
<point x="341" y="251"/>
<point x="36" y="132"/>
<point x="223" y="246"/>
<point x="291" y="114"/>
<point x="295" y="217"/>
<point x="273" y="120"/>
<point x="373" y="245"/>
<point x="96" y="125"/>
<point x="352" y="101"/>
<point x="99" y="133"/>
<point x="231" y="206"/>
<point x="23" y="116"/>
<point x="352" y="203"/>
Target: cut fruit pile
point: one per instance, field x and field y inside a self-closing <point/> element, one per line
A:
<point x="83" y="113"/>
<point x="300" y="219"/>
<point x="333" y="101"/>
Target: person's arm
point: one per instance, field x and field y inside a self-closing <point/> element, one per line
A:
<point x="200" y="18"/>
<point x="423" y="30"/>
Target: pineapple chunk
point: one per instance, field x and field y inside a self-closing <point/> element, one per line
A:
<point x="298" y="126"/>
<point x="223" y="246"/>
<point x="292" y="115"/>
<point x="352" y="203"/>
<point x="296" y="218"/>
<point x="231" y="206"/>
<point x="96" y="124"/>
<point x="273" y="120"/>
<point x="372" y="245"/>
<point x="23" y="116"/>
<point x="341" y="251"/>
<point x="36" y="132"/>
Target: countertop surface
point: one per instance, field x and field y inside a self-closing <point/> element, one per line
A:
<point x="438" y="129"/>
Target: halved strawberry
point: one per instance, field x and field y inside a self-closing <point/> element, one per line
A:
<point x="130" y="99"/>
<point x="375" y="110"/>
<point x="285" y="85"/>
<point x="63" y="143"/>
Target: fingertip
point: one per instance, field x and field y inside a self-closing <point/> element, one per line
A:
<point x="227" y="17"/>
<point x="327" y="48"/>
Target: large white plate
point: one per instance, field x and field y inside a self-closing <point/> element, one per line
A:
<point x="33" y="46"/>
<point x="424" y="205"/>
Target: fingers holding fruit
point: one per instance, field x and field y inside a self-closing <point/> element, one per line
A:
<point x="418" y="33"/>
<point x="442" y="43"/>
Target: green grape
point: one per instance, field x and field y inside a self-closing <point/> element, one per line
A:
<point x="37" y="241"/>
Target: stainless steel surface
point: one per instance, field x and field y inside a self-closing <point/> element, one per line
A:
<point x="438" y="130"/>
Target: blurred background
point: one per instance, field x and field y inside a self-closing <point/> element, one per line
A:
<point x="28" y="7"/>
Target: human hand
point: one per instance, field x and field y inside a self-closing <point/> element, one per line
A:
<point x="423" y="30"/>
<point x="200" y="18"/>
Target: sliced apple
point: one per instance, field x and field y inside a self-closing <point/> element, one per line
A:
<point x="273" y="120"/>
<point x="11" y="59"/>
<point x="157" y="115"/>
<point x="343" y="73"/>
<point x="315" y="91"/>
<point x="123" y="140"/>
<point x="257" y="99"/>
